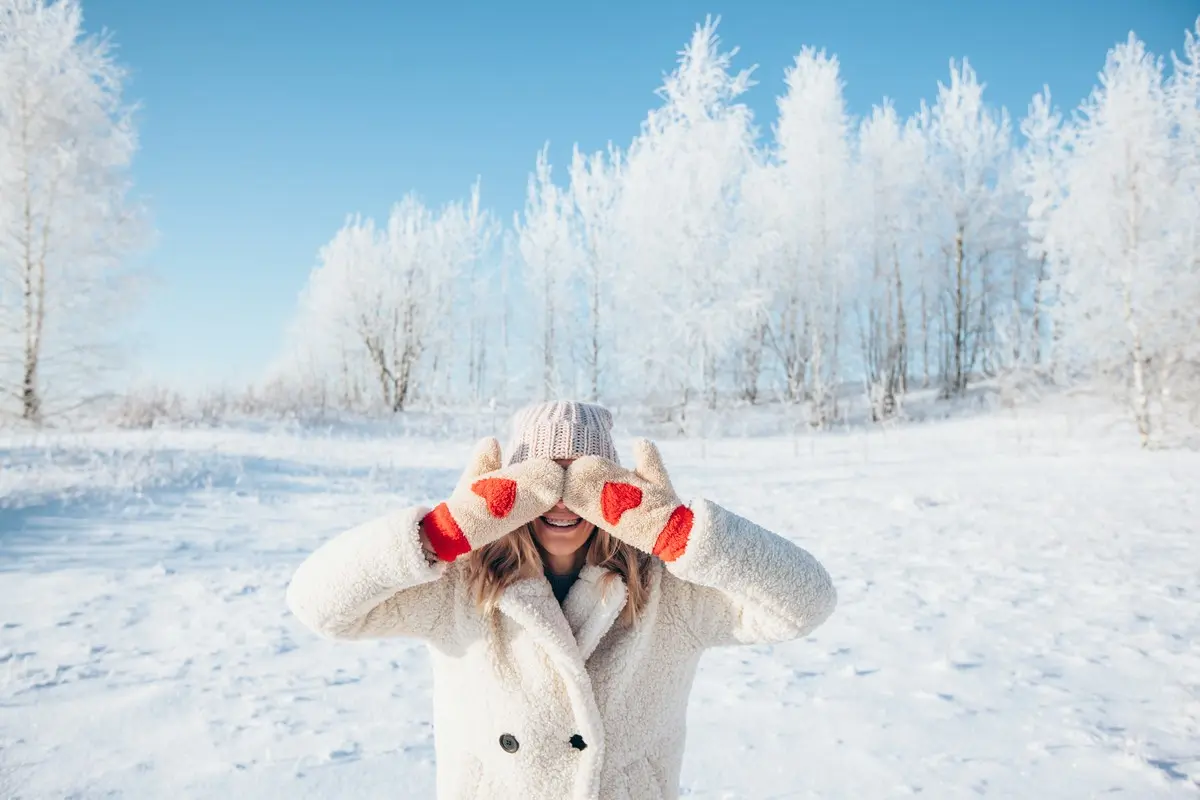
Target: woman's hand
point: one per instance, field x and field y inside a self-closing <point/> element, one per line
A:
<point x="490" y="502"/>
<point x="638" y="507"/>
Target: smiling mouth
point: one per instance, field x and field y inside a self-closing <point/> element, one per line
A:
<point x="562" y="523"/>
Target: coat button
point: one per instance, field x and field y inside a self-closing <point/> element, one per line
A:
<point x="577" y="742"/>
<point x="509" y="743"/>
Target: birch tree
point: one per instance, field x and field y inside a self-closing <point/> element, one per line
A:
<point x="759" y="255"/>
<point x="67" y="139"/>
<point x="481" y="232"/>
<point x="678" y="214"/>
<point x="816" y="225"/>
<point x="1110" y="238"/>
<point x="549" y="252"/>
<point x="970" y="145"/>
<point x="890" y="156"/>
<point x="1183" y="98"/>
<point x="379" y="310"/>
<point x="1039" y="174"/>
<point x="594" y="192"/>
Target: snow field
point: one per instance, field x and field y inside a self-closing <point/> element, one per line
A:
<point x="1019" y="616"/>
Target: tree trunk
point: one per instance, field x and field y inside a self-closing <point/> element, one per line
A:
<point x="34" y="303"/>
<point x="1140" y="398"/>
<point x="817" y="377"/>
<point x="978" y="342"/>
<point x="472" y="356"/>
<point x="901" y="358"/>
<point x="752" y="363"/>
<point x="504" y="353"/>
<point x="31" y="404"/>
<point x="384" y="373"/>
<point x="946" y="338"/>
<point x="595" y="355"/>
<point x="959" y="384"/>
<point x="788" y="346"/>
<point x="548" y="341"/>
<point x="835" y="373"/>
<point x="924" y="335"/>
<point x="1037" y="312"/>
<point x="710" y="378"/>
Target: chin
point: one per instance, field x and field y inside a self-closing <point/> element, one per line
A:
<point x="561" y="548"/>
<point x="560" y="542"/>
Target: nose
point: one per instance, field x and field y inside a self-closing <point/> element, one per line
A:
<point x="559" y="506"/>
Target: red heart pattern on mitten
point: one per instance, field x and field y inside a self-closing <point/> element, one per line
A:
<point x="500" y="494"/>
<point x="616" y="499"/>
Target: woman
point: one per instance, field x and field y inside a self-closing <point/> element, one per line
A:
<point x="566" y="602"/>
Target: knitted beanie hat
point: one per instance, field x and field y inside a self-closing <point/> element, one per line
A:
<point x="561" y="430"/>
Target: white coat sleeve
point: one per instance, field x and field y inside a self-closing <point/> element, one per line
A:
<point x="373" y="581"/>
<point x="747" y="584"/>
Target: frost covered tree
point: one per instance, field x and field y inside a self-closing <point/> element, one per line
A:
<point x="549" y="252"/>
<point x="1116" y="240"/>
<point x="970" y="206"/>
<point x="325" y="354"/>
<point x="1039" y="175"/>
<point x="477" y="234"/>
<point x="681" y="291"/>
<point x="67" y="139"/>
<point x="377" y="317"/>
<point x="888" y="172"/>
<point x="816" y="225"/>
<point x="1183" y="97"/>
<point x="758" y="257"/>
<point x="594" y="193"/>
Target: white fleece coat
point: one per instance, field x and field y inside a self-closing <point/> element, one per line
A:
<point x="517" y="694"/>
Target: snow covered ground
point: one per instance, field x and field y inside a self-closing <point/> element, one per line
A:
<point x="1019" y="616"/>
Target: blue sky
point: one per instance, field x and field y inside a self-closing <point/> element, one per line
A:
<point x="265" y="123"/>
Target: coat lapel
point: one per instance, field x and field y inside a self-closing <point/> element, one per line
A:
<point x="592" y="606"/>
<point x="628" y="654"/>
<point x="531" y="604"/>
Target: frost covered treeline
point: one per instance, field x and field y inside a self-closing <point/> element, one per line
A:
<point x="707" y="262"/>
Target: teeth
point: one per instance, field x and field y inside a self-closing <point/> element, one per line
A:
<point x="558" y="523"/>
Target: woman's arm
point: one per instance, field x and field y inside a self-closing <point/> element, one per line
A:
<point x="747" y="585"/>
<point x="385" y="578"/>
<point x="373" y="581"/>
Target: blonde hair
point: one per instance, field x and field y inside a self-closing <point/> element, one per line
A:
<point x="494" y="567"/>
